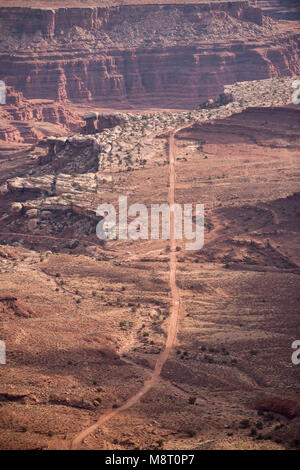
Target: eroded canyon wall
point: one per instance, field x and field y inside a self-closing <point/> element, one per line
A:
<point x="177" y="72"/>
<point x="52" y="21"/>
<point x="173" y="76"/>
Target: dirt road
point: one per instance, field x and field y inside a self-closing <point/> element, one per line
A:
<point x="173" y="319"/>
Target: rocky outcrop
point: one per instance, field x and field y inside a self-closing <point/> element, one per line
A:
<point x="60" y="197"/>
<point x="221" y="100"/>
<point x="8" y="133"/>
<point x="22" y="120"/>
<point x="98" y="121"/>
<point x="280" y="9"/>
<point x="277" y="127"/>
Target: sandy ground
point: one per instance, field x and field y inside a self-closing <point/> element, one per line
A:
<point x="173" y="319"/>
<point x="85" y="329"/>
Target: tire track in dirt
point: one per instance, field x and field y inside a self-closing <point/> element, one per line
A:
<point x="173" y="318"/>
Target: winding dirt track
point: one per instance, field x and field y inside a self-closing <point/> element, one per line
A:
<point x="173" y="318"/>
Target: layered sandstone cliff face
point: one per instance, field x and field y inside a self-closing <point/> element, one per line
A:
<point x="280" y="9"/>
<point x="150" y="55"/>
<point x="26" y="121"/>
<point x="50" y="22"/>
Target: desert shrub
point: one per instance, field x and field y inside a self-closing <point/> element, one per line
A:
<point x="191" y="432"/>
<point x="245" y="423"/>
<point x="253" y="352"/>
<point x="269" y="417"/>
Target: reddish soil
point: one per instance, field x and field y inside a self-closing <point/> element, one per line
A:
<point x="143" y="344"/>
<point x="68" y="361"/>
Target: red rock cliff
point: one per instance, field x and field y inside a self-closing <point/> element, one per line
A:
<point x="52" y="21"/>
<point x="109" y="55"/>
